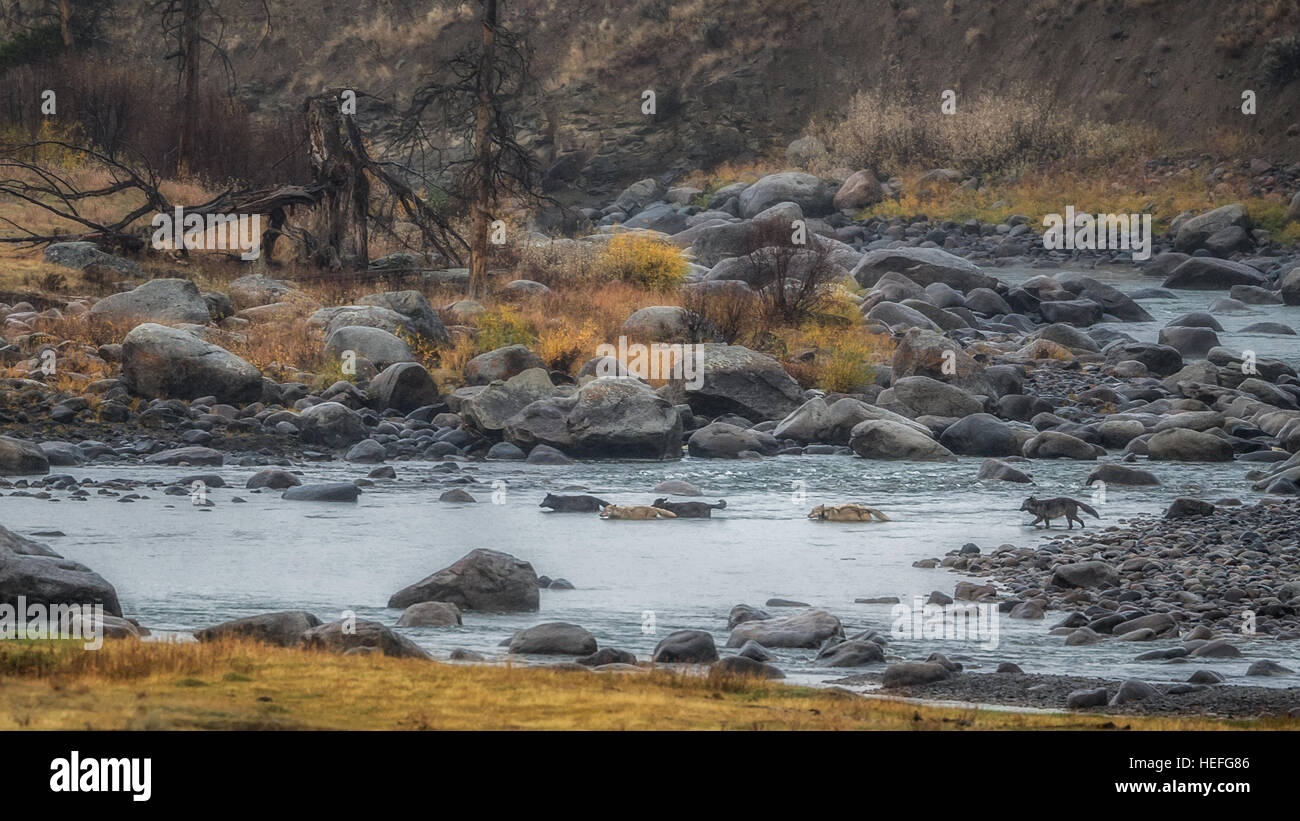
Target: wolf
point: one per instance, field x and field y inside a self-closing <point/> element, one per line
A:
<point x="850" y="512"/>
<point x="635" y="512"/>
<point x="690" y="510"/>
<point x="1045" y="510"/>
<point x="581" y="503"/>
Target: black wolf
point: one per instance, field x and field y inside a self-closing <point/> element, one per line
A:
<point x="691" y="510"/>
<point x="582" y="503"/>
<point x="1048" y="509"/>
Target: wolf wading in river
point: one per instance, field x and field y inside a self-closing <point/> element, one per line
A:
<point x="1048" y="509"/>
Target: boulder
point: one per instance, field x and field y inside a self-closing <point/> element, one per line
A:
<point x="609" y="417"/>
<point x="403" y="386"/>
<point x="418" y="317"/>
<point x="734" y="379"/>
<point x="554" y="638"/>
<point x="19" y="457"/>
<point x="490" y="410"/>
<point x="328" y="492"/>
<point x="881" y="439"/>
<point x="158" y="300"/>
<point x="1193" y="233"/>
<point x="487" y="580"/>
<point x="923" y="266"/>
<point x="39" y="575"/>
<point x="813" y="195"/>
<point x="501" y="363"/>
<point x="346" y="636"/>
<point x="980" y="434"/>
<point x="851" y="653"/>
<point x="163" y="363"/>
<point x="719" y="440"/>
<point x="330" y="424"/>
<point x="659" y="323"/>
<point x="1210" y="274"/>
<point x="809" y="628"/>
<point x="1186" y="445"/>
<point x="1085" y="575"/>
<point x="375" y="345"/>
<point x="913" y="673"/>
<point x="254" y="290"/>
<point x="858" y="191"/>
<point x="430" y="614"/>
<point x="686" y="647"/>
<point x="284" y="628"/>
<point x="927" y="353"/>
<point x="932" y="397"/>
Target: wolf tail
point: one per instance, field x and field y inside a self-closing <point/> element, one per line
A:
<point x="720" y="505"/>
<point x="1086" y="508"/>
<point x="880" y="517"/>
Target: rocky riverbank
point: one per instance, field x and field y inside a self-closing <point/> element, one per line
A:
<point x="1013" y="372"/>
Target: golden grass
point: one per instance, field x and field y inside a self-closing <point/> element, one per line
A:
<point x="236" y="684"/>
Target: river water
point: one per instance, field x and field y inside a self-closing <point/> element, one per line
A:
<point x="179" y="567"/>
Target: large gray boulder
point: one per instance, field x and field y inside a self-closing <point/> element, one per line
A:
<point x="927" y="353"/>
<point x="487" y="580"/>
<point x="331" y="424"/>
<point x="610" y="417"/>
<point x="284" y="628"/>
<point x="808" y="628"/>
<point x="720" y="440"/>
<point x="501" y="363"/>
<point x="418" y="316"/>
<point x="738" y="380"/>
<point x="489" y="410"/>
<point x="556" y="638"/>
<point x="39" y="575"/>
<point x="375" y="345"/>
<point x="83" y="255"/>
<point x="344" y="636"/>
<point x="813" y="195"/>
<point x="253" y="290"/>
<point x="923" y="266"/>
<point x="659" y="323"/>
<point x="815" y="421"/>
<point x="1193" y="233"/>
<point x="1186" y="445"/>
<point x="686" y="647"/>
<point x="926" y="396"/>
<point x="403" y="386"/>
<point x="168" y="363"/>
<point x="158" y="300"/>
<point x="1085" y="574"/>
<point x="1209" y="274"/>
<point x="980" y="434"/>
<point x="882" y="439"/>
<point x="19" y="457"/>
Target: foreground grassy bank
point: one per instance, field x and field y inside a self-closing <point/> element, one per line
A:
<point x="236" y="685"/>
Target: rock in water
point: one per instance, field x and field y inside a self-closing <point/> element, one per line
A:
<point x="284" y="628"/>
<point x="36" y="573"/>
<point x="483" y="579"/>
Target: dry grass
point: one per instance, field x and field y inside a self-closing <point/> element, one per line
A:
<point x="243" y="685"/>
<point x="991" y="133"/>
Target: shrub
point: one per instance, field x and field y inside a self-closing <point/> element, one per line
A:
<point x="642" y="260"/>
<point x="1282" y="58"/>
<point x="502" y="326"/>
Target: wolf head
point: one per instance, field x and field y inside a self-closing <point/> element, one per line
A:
<point x="549" y="501"/>
<point x="1029" y="504"/>
<point x="660" y="502"/>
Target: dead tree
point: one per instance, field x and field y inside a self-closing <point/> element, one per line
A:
<point x="338" y="162"/>
<point x="471" y="106"/>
